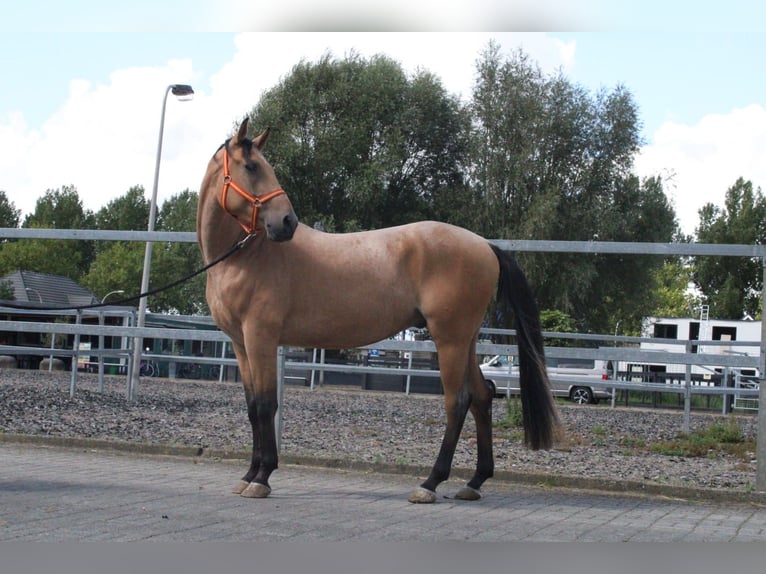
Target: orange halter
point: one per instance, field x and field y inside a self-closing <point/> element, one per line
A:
<point x="255" y="202"/>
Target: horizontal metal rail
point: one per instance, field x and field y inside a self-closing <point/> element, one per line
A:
<point x="533" y="245"/>
<point x="605" y="353"/>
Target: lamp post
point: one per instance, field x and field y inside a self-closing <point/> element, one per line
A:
<point x="117" y="292"/>
<point x="182" y="92"/>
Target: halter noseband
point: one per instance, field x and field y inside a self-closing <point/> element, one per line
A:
<point x="255" y="202"/>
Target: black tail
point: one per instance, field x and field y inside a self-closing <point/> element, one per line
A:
<point x="539" y="412"/>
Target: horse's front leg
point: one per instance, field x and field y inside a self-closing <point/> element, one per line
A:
<point x="261" y="410"/>
<point x="249" y="386"/>
<point x="255" y="457"/>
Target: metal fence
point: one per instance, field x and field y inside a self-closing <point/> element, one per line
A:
<point x="613" y="352"/>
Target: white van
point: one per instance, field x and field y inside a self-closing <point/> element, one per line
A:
<point x="569" y="377"/>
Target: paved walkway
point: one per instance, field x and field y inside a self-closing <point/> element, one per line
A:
<point x="57" y="494"/>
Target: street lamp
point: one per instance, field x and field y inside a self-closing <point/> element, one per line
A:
<point x="183" y="92"/>
<point x="117" y="292"/>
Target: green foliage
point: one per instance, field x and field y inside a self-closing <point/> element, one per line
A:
<point x="127" y="212"/>
<point x="718" y="437"/>
<point x="60" y="209"/>
<point x="57" y="209"/>
<point x="559" y="322"/>
<point x="553" y="320"/>
<point x="672" y="296"/>
<point x="514" y="417"/>
<point x="9" y="217"/>
<point x="360" y="145"/>
<point x="117" y="266"/>
<point x="6" y="291"/>
<point x="172" y="261"/>
<point x="9" y="214"/>
<point x="732" y="285"/>
<point x="551" y="161"/>
<point x="54" y="256"/>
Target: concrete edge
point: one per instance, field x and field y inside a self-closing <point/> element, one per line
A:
<point x="594" y="485"/>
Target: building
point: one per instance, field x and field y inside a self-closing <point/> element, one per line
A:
<point x="41" y="297"/>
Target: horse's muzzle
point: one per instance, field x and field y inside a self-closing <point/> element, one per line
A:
<point x="283" y="231"/>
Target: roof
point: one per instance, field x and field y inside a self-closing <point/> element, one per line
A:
<point x="29" y="286"/>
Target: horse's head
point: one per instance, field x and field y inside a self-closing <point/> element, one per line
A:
<point x="250" y="191"/>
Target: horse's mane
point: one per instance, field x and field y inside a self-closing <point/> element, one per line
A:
<point x="246" y="143"/>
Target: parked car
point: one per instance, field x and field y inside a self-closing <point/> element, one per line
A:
<point x="569" y="378"/>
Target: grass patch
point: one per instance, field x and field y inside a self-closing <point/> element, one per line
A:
<point x="511" y="426"/>
<point x="632" y="442"/>
<point x="514" y="418"/>
<point x="719" y="437"/>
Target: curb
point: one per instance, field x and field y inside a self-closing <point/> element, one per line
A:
<point x="593" y="485"/>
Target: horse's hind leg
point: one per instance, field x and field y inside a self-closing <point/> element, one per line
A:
<point x="481" y="410"/>
<point x="457" y="399"/>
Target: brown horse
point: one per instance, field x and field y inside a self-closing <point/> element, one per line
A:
<point x="294" y="285"/>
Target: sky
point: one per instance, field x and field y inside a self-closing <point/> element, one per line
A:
<point x="83" y="84"/>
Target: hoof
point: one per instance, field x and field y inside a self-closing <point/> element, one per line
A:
<point x="422" y="496"/>
<point x="468" y="493"/>
<point x="241" y="485"/>
<point x="256" y="490"/>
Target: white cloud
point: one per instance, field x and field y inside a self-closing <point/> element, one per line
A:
<point x="103" y="138"/>
<point x="706" y="159"/>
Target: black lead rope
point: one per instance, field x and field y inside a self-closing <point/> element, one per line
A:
<point x="233" y="249"/>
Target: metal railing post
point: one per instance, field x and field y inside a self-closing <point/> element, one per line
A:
<point x="409" y="377"/>
<point x="687" y="394"/>
<point x="760" y="473"/>
<point x="75" y="357"/>
<point x="280" y="393"/>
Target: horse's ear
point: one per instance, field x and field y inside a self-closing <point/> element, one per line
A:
<point x="260" y="141"/>
<point x="242" y="132"/>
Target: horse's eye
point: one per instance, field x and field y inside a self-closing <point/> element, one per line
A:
<point x="252" y="167"/>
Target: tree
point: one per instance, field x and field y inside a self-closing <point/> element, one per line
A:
<point x="558" y="322"/>
<point x="359" y="145"/>
<point x="732" y="285"/>
<point x="9" y="217"/>
<point x="673" y="296"/>
<point x="172" y="260"/>
<point x="60" y="209"/>
<point x="117" y="266"/>
<point x="53" y="256"/>
<point x="127" y="212"/>
<point x="552" y="161"/>
<point x="6" y="291"/>
<point x="57" y="209"/>
<point x="9" y="214"/>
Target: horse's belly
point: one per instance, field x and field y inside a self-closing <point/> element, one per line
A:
<point x="349" y="328"/>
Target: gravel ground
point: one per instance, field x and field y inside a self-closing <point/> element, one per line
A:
<point x="599" y="442"/>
